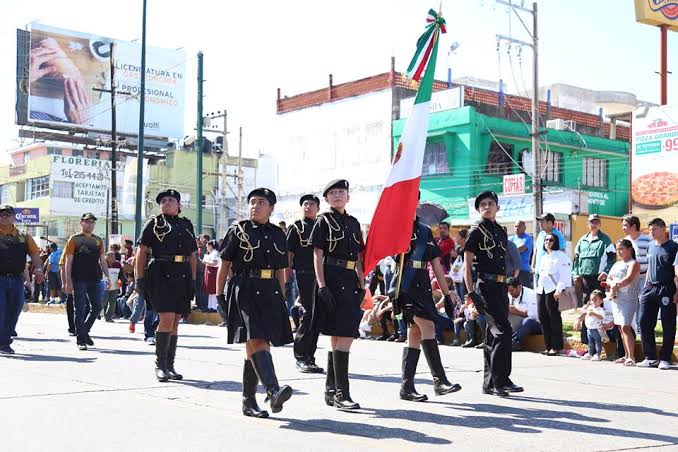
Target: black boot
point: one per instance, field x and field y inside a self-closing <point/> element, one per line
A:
<point x="342" y="396"/>
<point x="407" y="390"/>
<point x="162" y="340"/>
<point x="441" y="385"/>
<point x="249" y="392"/>
<point x="263" y="365"/>
<point x="171" y="353"/>
<point x="330" y="388"/>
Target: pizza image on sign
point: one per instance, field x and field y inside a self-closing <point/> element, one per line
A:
<point x="655" y="190"/>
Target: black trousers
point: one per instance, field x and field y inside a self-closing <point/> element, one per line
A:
<point x="551" y="321"/>
<point x="498" y="333"/>
<point x="70" y="313"/>
<point x="306" y="339"/>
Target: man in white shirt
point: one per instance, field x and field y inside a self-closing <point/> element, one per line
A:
<point x="522" y="311"/>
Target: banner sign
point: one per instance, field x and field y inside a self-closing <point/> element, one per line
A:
<point x="514" y="184"/>
<point x="69" y="69"/>
<point x="27" y="215"/>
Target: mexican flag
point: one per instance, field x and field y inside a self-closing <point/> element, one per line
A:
<point x="391" y="227"/>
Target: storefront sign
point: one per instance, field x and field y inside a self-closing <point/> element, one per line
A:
<point x="514" y="184"/>
<point x="658" y="12"/>
<point x="440" y="101"/>
<point x="28" y="215"/>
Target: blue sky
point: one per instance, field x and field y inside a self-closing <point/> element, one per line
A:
<point x="252" y="48"/>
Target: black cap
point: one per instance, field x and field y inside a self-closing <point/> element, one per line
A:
<point x="263" y="193"/>
<point x="4" y="207"/>
<point x="309" y="197"/>
<point x="484" y="195"/>
<point x="547" y="217"/>
<point x="88" y="216"/>
<point x="336" y="183"/>
<point x="169" y="192"/>
<point x="513" y="281"/>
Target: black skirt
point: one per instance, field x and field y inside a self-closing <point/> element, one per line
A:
<point x="345" y="320"/>
<point x="257" y="310"/>
<point x="169" y="287"/>
<point x="419" y="293"/>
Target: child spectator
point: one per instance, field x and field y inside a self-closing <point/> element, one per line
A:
<point x="595" y="314"/>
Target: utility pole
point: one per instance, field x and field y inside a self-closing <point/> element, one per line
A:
<point x="140" y="148"/>
<point x="198" y="144"/>
<point x="239" y="174"/>
<point x="536" y="152"/>
<point x="221" y="166"/>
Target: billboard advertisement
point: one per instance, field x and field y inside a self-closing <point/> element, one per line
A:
<point x="27" y="215"/>
<point x="658" y="12"/>
<point x="654" y="161"/>
<point x="67" y="71"/>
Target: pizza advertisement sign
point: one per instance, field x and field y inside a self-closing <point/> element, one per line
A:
<point x="654" y="162"/>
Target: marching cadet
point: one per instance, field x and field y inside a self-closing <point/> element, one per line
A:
<point x="85" y="267"/>
<point x="484" y="255"/>
<point x="337" y="241"/>
<point x="15" y="245"/>
<point x="301" y="259"/>
<point x="255" y="253"/>
<point x="168" y="281"/>
<point x="415" y="300"/>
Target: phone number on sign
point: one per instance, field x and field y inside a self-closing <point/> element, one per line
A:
<point x="81" y="175"/>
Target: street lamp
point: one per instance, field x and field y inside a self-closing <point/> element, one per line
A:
<point x="453" y="48"/>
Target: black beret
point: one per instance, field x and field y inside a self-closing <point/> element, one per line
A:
<point x="6" y="207"/>
<point x="263" y="193"/>
<point x="309" y="197"/>
<point x="169" y="192"/>
<point x="336" y="183"/>
<point x="88" y="216"/>
<point x="484" y="195"/>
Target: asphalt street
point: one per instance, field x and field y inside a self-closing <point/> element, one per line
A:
<point x="56" y="398"/>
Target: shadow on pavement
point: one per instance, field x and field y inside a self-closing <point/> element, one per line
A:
<point x="365" y="430"/>
<point x="395" y="378"/>
<point x="39" y="339"/>
<point x="598" y="405"/>
<point x="111" y="351"/>
<point x="207" y="347"/>
<point x="222" y="385"/>
<point x="50" y="358"/>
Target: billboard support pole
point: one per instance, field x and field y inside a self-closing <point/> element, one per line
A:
<point x="198" y="145"/>
<point x="114" y="151"/>
<point x="663" y="70"/>
<point x="140" y="147"/>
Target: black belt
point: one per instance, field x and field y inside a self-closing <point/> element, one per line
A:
<point x="419" y="265"/>
<point x="305" y="272"/>
<point x="343" y="263"/>
<point x="263" y="273"/>
<point x="492" y="277"/>
<point x="11" y="275"/>
<point x="171" y="258"/>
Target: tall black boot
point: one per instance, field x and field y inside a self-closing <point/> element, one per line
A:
<point x="342" y="396"/>
<point x="407" y="390"/>
<point x="171" y="353"/>
<point x="162" y="340"/>
<point x="330" y="387"/>
<point x="263" y="365"/>
<point x="441" y="385"/>
<point x="249" y="392"/>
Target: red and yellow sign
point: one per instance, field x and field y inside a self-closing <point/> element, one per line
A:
<point x="658" y="12"/>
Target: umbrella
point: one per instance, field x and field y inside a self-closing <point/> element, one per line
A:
<point x="431" y="214"/>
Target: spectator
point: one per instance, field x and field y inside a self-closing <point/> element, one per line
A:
<point x="53" y="279"/>
<point x="39" y="286"/>
<point x="523" y="313"/>
<point x="641" y="242"/>
<point x="211" y="262"/>
<point x="474" y="326"/>
<point x="377" y="280"/>
<point x="115" y="248"/>
<point x="512" y="258"/>
<point x="383" y="309"/>
<point x="623" y="285"/>
<point x="546" y="225"/>
<point x="523" y="241"/>
<point x="659" y="295"/>
<point x="553" y="277"/>
<point x="443" y="322"/>
<point x="115" y="275"/>
<point x="129" y="249"/>
<point x="457" y="273"/>
<point x="200" y="294"/>
<point x="446" y="245"/>
<point x="595" y="313"/>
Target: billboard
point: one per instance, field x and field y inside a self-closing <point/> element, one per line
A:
<point x="27" y="215"/>
<point x="657" y="12"/>
<point x="67" y="69"/>
<point x="654" y="161"/>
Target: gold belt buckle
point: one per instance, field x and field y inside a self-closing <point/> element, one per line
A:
<point x="350" y="265"/>
<point x="266" y="274"/>
<point x="501" y="278"/>
<point x="179" y="258"/>
<point x="418" y="265"/>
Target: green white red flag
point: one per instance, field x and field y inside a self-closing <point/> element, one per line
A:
<point x="390" y="230"/>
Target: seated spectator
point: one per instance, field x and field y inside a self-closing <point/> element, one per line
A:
<point x="522" y="311"/>
<point x="443" y="322"/>
<point x="474" y="326"/>
<point x="383" y="310"/>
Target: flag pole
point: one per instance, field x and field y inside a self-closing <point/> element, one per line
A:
<point x="400" y="274"/>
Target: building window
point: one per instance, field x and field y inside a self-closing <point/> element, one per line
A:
<point x="53" y="151"/>
<point x="550" y="166"/>
<point x="4" y="194"/>
<point x="62" y="189"/>
<point x="435" y="159"/>
<point x="595" y="172"/>
<point x="77" y="152"/>
<point x="52" y="228"/>
<point x="37" y="187"/>
<point x="499" y="159"/>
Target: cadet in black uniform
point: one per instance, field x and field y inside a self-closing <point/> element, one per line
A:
<point x="415" y="300"/>
<point x="168" y="281"/>
<point x="301" y="259"/>
<point x="485" y="251"/>
<point x="337" y="241"/>
<point x="256" y="252"/>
